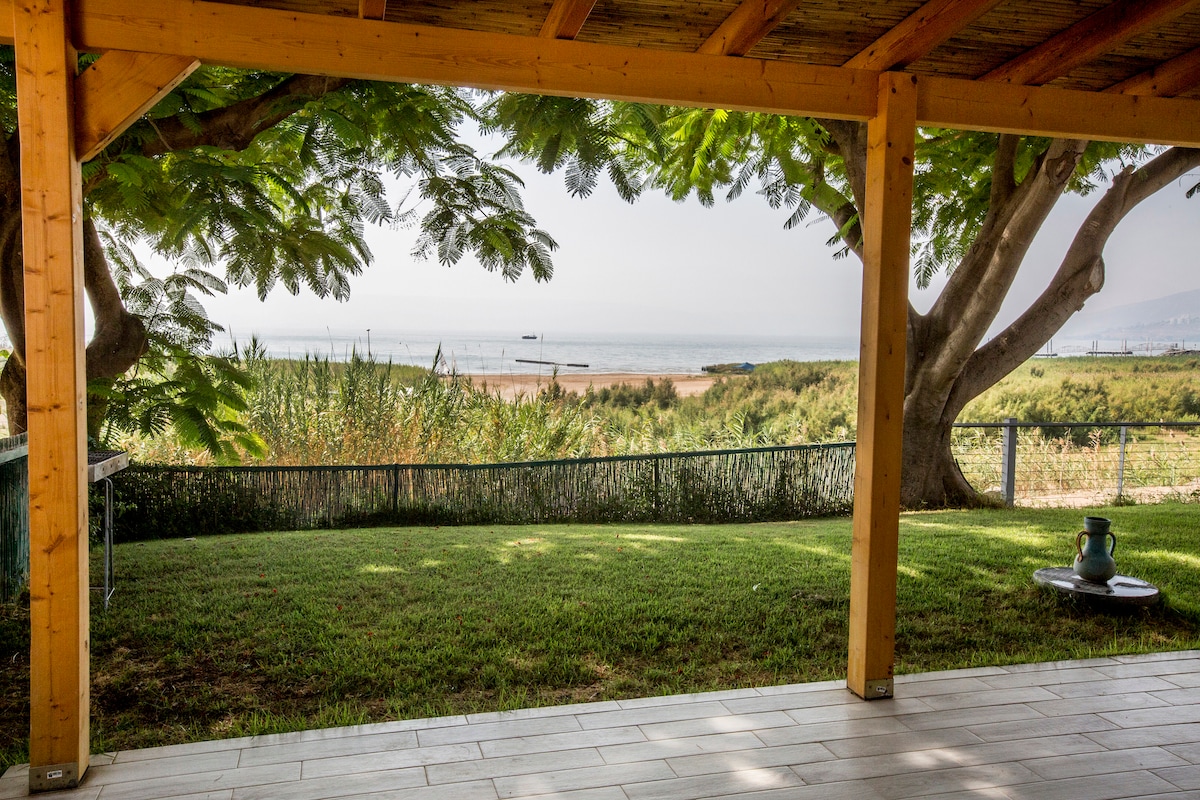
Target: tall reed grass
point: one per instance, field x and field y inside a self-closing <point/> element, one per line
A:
<point x="315" y="411"/>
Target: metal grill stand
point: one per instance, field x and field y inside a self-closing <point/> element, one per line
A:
<point x="102" y="464"/>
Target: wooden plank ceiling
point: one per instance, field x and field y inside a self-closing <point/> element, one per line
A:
<point x="1134" y="46"/>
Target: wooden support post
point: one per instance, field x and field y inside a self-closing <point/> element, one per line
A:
<point x="887" y="226"/>
<point x="58" y="540"/>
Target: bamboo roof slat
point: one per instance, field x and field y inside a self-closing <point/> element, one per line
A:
<point x="522" y="17"/>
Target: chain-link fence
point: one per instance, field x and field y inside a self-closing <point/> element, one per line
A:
<point x="1080" y="463"/>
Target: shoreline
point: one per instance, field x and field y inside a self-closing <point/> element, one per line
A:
<point x="509" y="386"/>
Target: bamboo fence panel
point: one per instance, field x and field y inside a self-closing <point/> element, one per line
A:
<point x="715" y="486"/>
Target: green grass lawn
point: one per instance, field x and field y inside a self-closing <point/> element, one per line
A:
<point x="233" y="635"/>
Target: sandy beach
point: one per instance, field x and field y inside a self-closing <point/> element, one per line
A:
<point x="512" y="385"/>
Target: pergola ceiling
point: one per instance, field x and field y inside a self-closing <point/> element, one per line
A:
<point x="1088" y="45"/>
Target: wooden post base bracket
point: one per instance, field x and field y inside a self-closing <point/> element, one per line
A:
<point x="876" y="690"/>
<point x="53" y="776"/>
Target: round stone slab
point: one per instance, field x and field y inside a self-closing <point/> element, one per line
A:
<point x="1120" y="590"/>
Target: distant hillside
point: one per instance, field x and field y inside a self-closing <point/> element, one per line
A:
<point x="1172" y="318"/>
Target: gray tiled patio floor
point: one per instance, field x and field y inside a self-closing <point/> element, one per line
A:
<point x="1100" y="729"/>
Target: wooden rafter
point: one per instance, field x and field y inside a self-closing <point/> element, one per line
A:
<point x="117" y="89"/>
<point x="746" y="27"/>
<point x="372" y="9"/>
<point x="566" y="18"/>
<point x="1167" y="79"/>
<point x="1088" y="39"/>
<point x="919" y="33"/>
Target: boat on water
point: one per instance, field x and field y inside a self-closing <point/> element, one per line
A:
<point x="529" y="336"/>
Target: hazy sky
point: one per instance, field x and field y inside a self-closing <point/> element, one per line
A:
<point x="658" y="266"/>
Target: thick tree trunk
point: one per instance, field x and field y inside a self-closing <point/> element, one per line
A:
<point x="946" y="367"/>
<point x="119" y="339"/>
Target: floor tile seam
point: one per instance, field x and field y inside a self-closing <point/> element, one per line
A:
<point x="479" y="756"/>
<point x="1155" y="694"/>
<point x="1000" y="794"/>
<point x="1164" y="655"/>
<point x="1171" y="680"/>
<point x="1029" y="762"/>
<point x="1090" y="736"/>
<point x="913" y="748"/>
<point x="916" y="715"/>
<point x="516" y="735"/>
<point x="533" y="771"/>
<point x="1053" y="666"/>
<point x="542" y="712"/>
<point x="1021" y="780"/>
<point x="1168" y="748"/>
<point x="1155" y="773"/>
<point x="371" y="750"/>
<point x="1128" y="726"/>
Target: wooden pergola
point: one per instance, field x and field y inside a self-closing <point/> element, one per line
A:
<point x="1092" y="69"/>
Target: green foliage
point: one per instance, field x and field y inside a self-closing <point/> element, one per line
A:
<point x="289" y="209"/>
<point x="661" y="395"/>
<point x="786" y="402"/>
<point x="792" y="161"/>
<point x="199" y="398"/>
<point x="584" y="138"/>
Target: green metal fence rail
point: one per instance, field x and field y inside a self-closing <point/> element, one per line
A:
<point x="714" y="486"/>
<point x="14" y="516"/>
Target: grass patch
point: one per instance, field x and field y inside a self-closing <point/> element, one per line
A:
<point x="255" y="633"/>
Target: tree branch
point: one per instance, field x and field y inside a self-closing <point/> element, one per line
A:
<point x="235" y="126"/>
<point x="975" y="291"/>
<point x="1079" y="276"/>
<point x="1004" y="177"/>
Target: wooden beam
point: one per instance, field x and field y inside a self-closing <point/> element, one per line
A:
<point x="746" y="27"/>
<point x="1166" y="80"/>
<point x="566" y="18"/>
<point x="919" y="33"/>
<point x="887" y="225"/>
<point x="117" y="89"/>
<point x="242" y="36"/>
<point x="285" y="41"/>
<point x="1085" y="40"/>
<point x="51" y="218"/>
<point x="372" y="9"/>
<point x="1005" y="108"/>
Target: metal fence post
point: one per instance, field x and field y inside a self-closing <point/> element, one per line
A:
<point x="1121" y="465"/>
<point x="1008" y="461"/>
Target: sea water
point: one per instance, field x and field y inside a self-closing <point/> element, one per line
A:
<point x="509" y="353"/>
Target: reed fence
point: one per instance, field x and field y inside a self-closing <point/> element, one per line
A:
<point x="14" y="516"/>
<point x="757" y="484"/>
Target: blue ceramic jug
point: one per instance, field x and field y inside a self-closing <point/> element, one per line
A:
<point x="1094" y="561"/>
